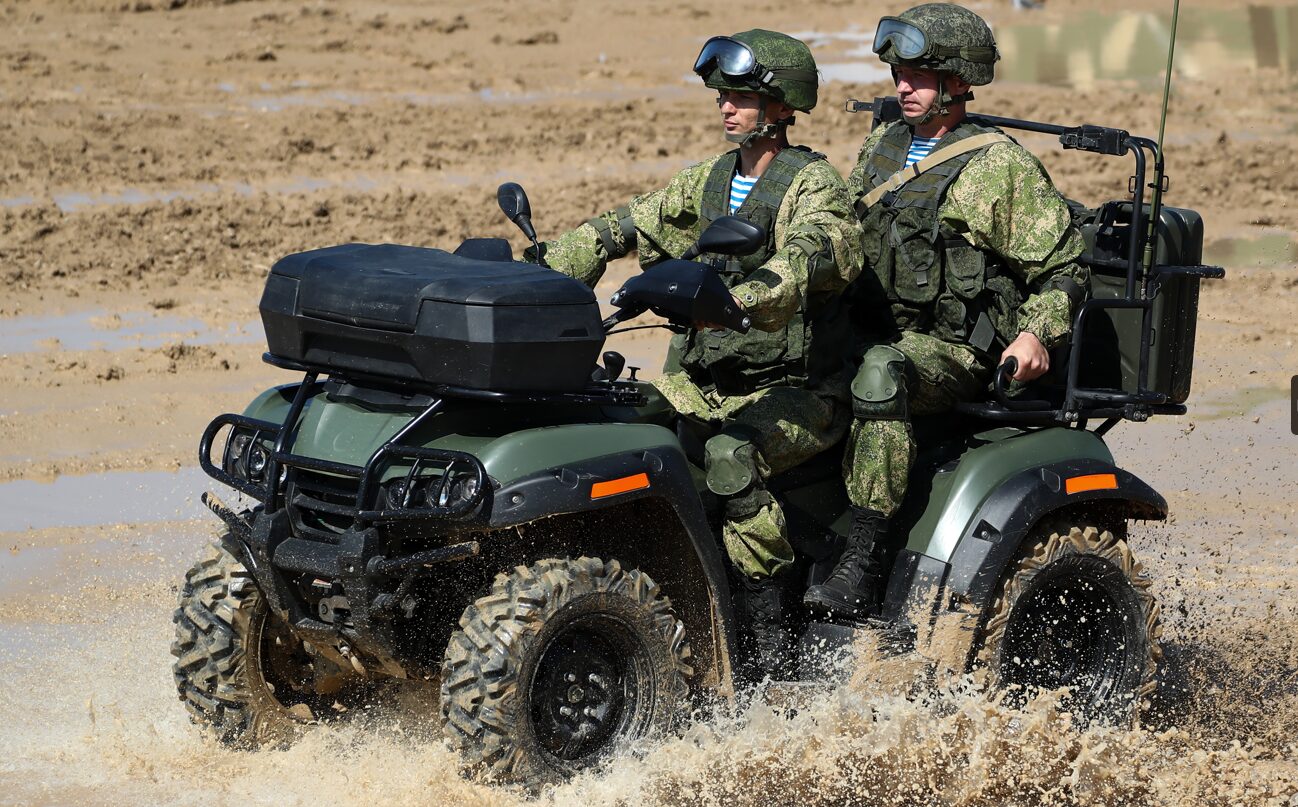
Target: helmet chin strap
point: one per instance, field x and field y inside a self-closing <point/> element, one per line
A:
<point x="761" y="130"/>
<point x="941" y="105"/>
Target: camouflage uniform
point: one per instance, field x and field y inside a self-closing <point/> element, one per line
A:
<point x="1002" y="203"/>
<point x="969" y="248"/>
<point x="814" y="252"/>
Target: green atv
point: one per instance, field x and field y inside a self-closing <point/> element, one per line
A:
<point x="456" y="491"/>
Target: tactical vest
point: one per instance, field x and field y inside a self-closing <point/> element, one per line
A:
<point x="737" y="364"/>
<point x="934" y="280"/>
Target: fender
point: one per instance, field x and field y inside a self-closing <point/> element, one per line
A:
<point x="999" y="455"/>
<point x="999" y="487"/>
<point x="587" y="484"/>
<point x="1006" y="519"/>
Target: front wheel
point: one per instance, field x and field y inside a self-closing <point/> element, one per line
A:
<point x="239" y="670"/>
<point x="560" y="665"/>
<point x="1076" y="612"/>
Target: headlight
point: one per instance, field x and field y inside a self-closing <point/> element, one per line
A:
<point x="257" y="459"/>
<point x="245" y="457"/>
<point x="461" y="489"/>
<point x="428" y="491"/>
<point x="395" y="492"/>
<point x="236" y="450"/>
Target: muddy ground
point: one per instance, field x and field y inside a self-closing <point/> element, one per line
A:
<point x="157" y="156"/>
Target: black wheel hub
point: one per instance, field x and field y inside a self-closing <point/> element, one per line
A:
<point x="583" y="688"/>
<point x="285" y="666"/>
<point x="1071" y="630"/>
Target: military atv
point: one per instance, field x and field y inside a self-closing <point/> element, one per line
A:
<point x="455" y="490"/>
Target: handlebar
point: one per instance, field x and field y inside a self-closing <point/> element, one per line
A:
<point x="684" y="293"/>
<point x="1004" y="373"/>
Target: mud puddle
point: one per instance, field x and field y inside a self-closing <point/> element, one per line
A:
<point x="104" y="330"/>
<point x="118" y="497"/>
<point x="486" y="95"/>
<point x="46" y="566"/>
<point x="369" y="182"/>
<point x="264" y="98"/>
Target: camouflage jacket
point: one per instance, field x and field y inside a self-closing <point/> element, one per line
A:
<point x="1004" y="203"/>
<point x="816" y="209"/>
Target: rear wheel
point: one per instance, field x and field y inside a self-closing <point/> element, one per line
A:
<point x="562" y="664"/>
<point x="239" y="670"/>
<point x="1076" y="611"/>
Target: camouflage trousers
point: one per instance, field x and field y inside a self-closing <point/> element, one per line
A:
<point x="880" y="453"/>
<point x="788" y="426"/>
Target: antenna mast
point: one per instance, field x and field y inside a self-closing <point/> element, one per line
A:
<point x="1160" y="181"/>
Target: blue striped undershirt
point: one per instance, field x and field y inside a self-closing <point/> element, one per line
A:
<point x="739" y="188"/>
<point x="920" y="147"/>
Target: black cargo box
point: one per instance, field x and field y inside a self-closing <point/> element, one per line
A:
<point x="429" y="316"/>
<point x="1111" y="339"/>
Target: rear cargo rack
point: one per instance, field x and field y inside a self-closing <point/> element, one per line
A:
<point x="1145" y="280"/>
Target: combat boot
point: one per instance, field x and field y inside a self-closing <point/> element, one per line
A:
<point x="770" y="647"/>
<point x="855" y="587"/>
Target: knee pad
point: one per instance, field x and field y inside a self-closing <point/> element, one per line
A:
<point x="730" y="459"/>
<point x="879" y="388"/>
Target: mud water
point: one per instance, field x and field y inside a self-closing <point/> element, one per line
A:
<point x="155" y="161"/>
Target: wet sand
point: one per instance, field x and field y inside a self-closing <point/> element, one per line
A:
<point x="154" y="162"/>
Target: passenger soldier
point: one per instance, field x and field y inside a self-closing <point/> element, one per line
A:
<point x="975" y="257"/>
<point x="777" y="395"/>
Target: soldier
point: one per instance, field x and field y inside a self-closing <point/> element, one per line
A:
<point x="975" y="257"/>
<point x="774" y="397"/>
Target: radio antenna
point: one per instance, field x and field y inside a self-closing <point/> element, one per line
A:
<point x="1160" y="181"/>
<point x="1167" y="80"/>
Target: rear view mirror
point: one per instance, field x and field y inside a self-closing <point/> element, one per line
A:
<point x="728" y="235"/>
<point x="513" y="201"/>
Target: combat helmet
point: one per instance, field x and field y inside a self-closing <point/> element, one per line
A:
<point x="769" y="63"/>
<point x="939" y="36"/>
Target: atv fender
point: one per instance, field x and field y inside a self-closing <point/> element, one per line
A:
<point x="650" y="464"/>
<point x="1002" y="487"/>
<point x="1006" y="519"/>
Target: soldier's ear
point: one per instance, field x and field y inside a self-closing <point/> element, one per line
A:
<point x="958" y="86"/>
<point x="778" y="111"/>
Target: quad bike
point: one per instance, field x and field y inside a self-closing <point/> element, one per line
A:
<point x="456" y="491"/>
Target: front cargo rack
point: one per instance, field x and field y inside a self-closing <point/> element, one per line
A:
<point x="615" y="393"/>
<point x="441" y="470"/>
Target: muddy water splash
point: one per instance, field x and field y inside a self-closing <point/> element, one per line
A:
<point x="91" y="717"/>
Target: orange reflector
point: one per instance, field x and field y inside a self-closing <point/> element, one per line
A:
<point x="615" y="486"/>
<point x="1079" y="484"/>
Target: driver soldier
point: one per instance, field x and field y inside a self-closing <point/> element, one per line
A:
<point x="974" y="257"/>
<point x="776" y="396"/>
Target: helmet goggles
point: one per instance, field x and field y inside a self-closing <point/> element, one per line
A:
<point x="734" y="59"/>
<point x="909" y="42"/>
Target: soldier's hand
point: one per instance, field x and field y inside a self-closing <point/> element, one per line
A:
<point x="1034" y="359"/>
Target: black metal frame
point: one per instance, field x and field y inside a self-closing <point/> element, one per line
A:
<point x="365" y="511"/>
<point x="1079" y="403"/>
<point x="608" y="393"/>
